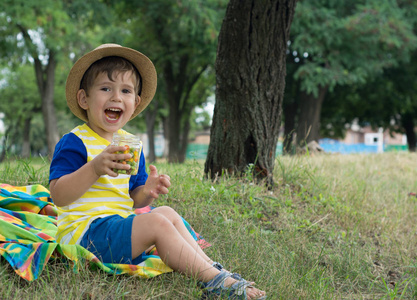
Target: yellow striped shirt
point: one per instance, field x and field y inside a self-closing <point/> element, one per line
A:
<point x="107" y="196"/>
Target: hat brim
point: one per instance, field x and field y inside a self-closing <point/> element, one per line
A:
<point x="142" y="63"/>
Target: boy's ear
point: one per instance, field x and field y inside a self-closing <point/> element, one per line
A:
<point x="82" y="99"/>
<point x="138" y="100"/>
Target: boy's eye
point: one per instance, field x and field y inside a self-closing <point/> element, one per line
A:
<point x="106" y="89"/>
<point x="126" y="91"/>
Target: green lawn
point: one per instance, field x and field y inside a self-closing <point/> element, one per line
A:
<point x="333" y="227"/>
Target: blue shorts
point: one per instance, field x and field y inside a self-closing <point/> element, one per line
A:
<point x="110" y="239"/>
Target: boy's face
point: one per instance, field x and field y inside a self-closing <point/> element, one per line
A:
<point x="110" y="104"/>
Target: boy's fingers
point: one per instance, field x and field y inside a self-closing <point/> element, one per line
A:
<point x="163" y="190"/>
<point x="122" y="156"/>
<point x="112" y="173"/>
<point x="153" y="170"/>
<point x="113" y="148"/>
<point x="165" y="181"/>
<point x="121" y="166"/>
<point x="166" y="177"/>
<point x="154" y="194"/>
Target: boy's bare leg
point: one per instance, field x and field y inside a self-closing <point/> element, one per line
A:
<point x="176" y="220"/>
<point x="174" y="250"/>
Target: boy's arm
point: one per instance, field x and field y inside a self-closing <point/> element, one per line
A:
<point x="155" y="185"/>
<point x="71" y="187"/>
<point x="68" y="188"/>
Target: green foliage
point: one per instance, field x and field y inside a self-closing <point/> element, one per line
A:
<point x="46" y="34"/>
<point x="348" y="42"/>
<point x="181" y="39"/>
<point x="173" y="32"/>
<point x="51" y="25"/>
<point x="385" y="101"/>
<point x="364" y="51"/>
<point x="21" y="102"/>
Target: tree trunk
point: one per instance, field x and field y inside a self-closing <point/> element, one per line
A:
<point x="408" y="125"/>
<point x="290" y="112"/>
<point x="26" y="138"/>
<point x="178" y="89"/>
<point x="8" y="140"/>
<point x="184" y="140"/>
<point x="309" y="117"/>
<point x="173" y="132"/>
<point x="46" y="81"/>
<point x="250" y="78"/>
<point x="150" y="119"/>
<point x="166" y="141"/>
<point x="174" y="89"/>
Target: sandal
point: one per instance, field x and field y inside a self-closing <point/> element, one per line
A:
<point x="219" y="267"/>
<point x="215" y="288"/>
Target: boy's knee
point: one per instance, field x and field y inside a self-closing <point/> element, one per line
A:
<point x="166" y="210"/>
<point x="159" y="220"/>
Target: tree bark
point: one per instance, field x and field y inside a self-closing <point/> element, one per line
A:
<point x="26" y="137"/>
<point x="166" y="141"/>
<point x="176" y="90"/>
<point x="46" y="80"/>
<point x="408" y="125"/>
<point x="309" y="117"/>
<point x="290" y="113"/>
<point x="184" y="139"/>
<point x="9" y="139"/>
<point x="179" y="87"/>
<point x="250" y="81"/>
<point x="150" y="119"/>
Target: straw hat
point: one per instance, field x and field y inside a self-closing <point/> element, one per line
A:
<point x="142" y="63"/>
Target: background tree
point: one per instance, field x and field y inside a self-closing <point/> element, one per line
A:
<point x="20" y="103"/>
<point x="46" y="32"/>
<point x="343" y="43"/>
<point x="250" y="81"/>
<point x="387" y="101"/>
<point x="180" y="37"/>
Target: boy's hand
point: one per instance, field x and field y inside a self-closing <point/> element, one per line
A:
<point x="156" y="184"/>
<point x="106" y="161"/>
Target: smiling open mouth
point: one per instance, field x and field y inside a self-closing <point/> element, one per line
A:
<point x="113" y="113"/>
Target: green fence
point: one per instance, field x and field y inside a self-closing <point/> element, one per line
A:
<point x="396" y="148"/>
<point x="199" y="151"/>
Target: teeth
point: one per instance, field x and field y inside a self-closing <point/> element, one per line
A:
<point x="113" y="113"/>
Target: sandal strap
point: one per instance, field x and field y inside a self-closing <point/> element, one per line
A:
<point x="220" y="267"/>
<point x="239" y="289"/>
<point x="217" y="280"/>
<point x="216" y="287"/>
<point x="217" y="265"/>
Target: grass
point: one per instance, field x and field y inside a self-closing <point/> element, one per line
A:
<point x="333" y="227"/>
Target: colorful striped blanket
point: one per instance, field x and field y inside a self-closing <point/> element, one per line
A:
<point x="27" y="237"/>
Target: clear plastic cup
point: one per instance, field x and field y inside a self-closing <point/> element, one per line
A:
<point x="133" y="146"/>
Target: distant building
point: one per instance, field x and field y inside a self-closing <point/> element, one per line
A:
<point x="366" y="140"/>
<point x="368" y="136"/>
<point x="357" y="140"/>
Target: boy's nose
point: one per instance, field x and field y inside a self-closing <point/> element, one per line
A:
<point x="116" y="96"/>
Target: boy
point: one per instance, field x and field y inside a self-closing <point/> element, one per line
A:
<point x="106" y="88"/>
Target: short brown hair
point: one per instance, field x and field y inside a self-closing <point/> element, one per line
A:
<point x="110" y="65"/>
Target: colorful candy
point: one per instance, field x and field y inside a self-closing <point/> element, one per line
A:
<point x="133" y="146"/>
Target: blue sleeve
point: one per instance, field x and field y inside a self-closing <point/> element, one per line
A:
<point x="141" y="177"/>
<point x="70" y="155"/>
